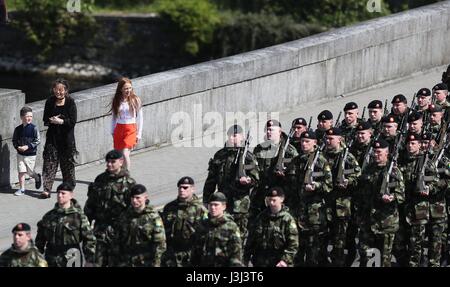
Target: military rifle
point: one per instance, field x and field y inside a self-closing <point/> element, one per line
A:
<point x="368" y="154"/>
<point x="385" y="185"/>
<point x="279" y="167"/>
<point x="312" y="160"/>
<point x="385" y="111"/>
<point x="341" y="164"/>
<point x="337" y="123"/>
<point x="309" y="124"/>
<point x="363" y="113"/>
<point x="241" y="156"/>
<point x="421" y="167"/>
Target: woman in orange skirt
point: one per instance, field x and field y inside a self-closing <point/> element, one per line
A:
<point x="126" y="124"/>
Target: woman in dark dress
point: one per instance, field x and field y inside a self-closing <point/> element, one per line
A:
<point x="60" y="115"/>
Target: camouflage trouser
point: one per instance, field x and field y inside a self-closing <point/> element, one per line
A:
<point x="383" y="242"/>
<point x="435" y="239"/>
<point x="172" y="258"/>
<point x="103" y="255"/>
<point x="299" y="260"/>
<point x="401" y="242"/>
<point x="51" y="158"/>
<point x="338" y="240"/>
<point x="316" y="246"/>
<point x="350" y="243"/>
<point x="445" y="245"/>
<point x="416" y="243"/>
<point x="241" y="219"/>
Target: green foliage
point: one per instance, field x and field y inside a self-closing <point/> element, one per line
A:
<point x="241" y="32"/>
<point x="193" y="20"/>
<point x="49" y="24"/>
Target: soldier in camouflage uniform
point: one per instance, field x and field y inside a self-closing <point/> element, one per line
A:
<point x="440" y="93"/>
<point x="312" y="191"/>
<point x="423" y="97"/>
<point x="299" y="126"/>
<point x="340" y="198"/>
<point x="108" y="197"/>
<point x="223" y="174"/>
<point x="268" y="154"/>
<point x="362" y="142"/>
<point x="378" y="209"/>
<point x="375" y="115"/>
<point x="418" y="206"/>
<point x="62" y="230"/>
<point x="22" y="253"/>
<point x="350" y="121"/>
<point x="273" y="240"/>
<point x="140" y="237"/>
<point x="324" y="123"/>
<point x="180" y="218"/>
<point x="217" y="241"/>
<point x="390" y="130"/>
<point x="436" y="121"/>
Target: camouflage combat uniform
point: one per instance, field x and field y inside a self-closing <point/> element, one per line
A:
<point x="222" y="174"/>
<point x="108" y="197"/>
<point x="140" y="238"/>
<point x="217" y="243"/>
<point x="62" y="230"/>
<point x="30" y="257"/>
<point x="378" y="220"/>
<point x="266" y="154"/>
<point x="311" y="213"/>
<point x="349" y="131"/>
<point x="274" y="237"/>
<point x="340" y="202"/>
<point x="180" y="219"/>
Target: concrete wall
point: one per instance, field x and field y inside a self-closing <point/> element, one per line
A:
<point x="318" y="67"/>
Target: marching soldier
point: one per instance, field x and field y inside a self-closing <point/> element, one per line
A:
<point x="350" y="121"/>
<point x="423" y="97"/>
<point x="62" y="230"/>
<point x="108" y="197"/>
<point x="180" y="218"/>
<point x="217" y="241"/>
<point x="140" y="236"/>
<point x="311" y="179"/>
<point x="273" y="240"/>
<point x="345" y="170"/>
<point x="400" y="107"/>
<point x="299" y="126"/>
<point x="436" y="120"/>
<point x="440" y="93"/>
<point x="272" y="156"/>
<point x="234" y="177"/>
<point x="375" y="115"/>
<point x="364" y="133"/>
<point x="390" y="130"/>
<point x="324" y="123"/>
<point x="378" y="201"/>
<point x="415" y="122"/>
<point x="22" y="253"/>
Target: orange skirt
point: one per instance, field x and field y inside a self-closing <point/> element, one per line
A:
<point x="124" y="136"/>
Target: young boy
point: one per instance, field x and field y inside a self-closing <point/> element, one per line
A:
<point x="26" y="138"/>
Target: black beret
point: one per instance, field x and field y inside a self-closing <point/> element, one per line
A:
<point x="435" y="108"/>
<point x="273" y="123"/>
<point x="380" y="143"/>
<point x="363" y="126"/>
<point x="185" y="180"/>
<point x="275" y="191"/>
<point x="390" y="119"/>
<point x="138" y="189"/>
<point x="440" y="86"/>
<point x="414" y="116"/>
<point x="235" y="129"/>
<point x="21" y="227"/>
<point x="427" y="136"/>
<point x="424" y="92"/>
<point x="399" y="99"/>
<point x="334" y="132"/>
<point x="114" y="154"/>
<point x="325" y="115"/>
<point x="413" y="137"/>
<point x="299" y="121"/>
<point x="350" y="106"/>
<point x="376" y="104"/>
<point x="65" y="186"/>
<point x="308" y="135"/>
<point x="218" y="196"/>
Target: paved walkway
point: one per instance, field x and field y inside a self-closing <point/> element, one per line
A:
<point x="159" y="169"/>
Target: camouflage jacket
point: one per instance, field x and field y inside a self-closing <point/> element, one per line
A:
<point x="31" y="257"/>
<point x="63" y="229"/>
<point x="383" y="217"/>
<point x="180" y="220"/>
<point x="297" y="143"/>
<point x="349" y="132"/>
<point x="273" y="238"/>
<point x="351" y="173"/>
<point x="217" y="243"/>
<point x="140" y="238"/>
<point x="419" y="208"/>
<point x="359" y="152"/>
<point x="222" y="173"/>
<point x="108" y="197"/>
<point x="376" y="127"/>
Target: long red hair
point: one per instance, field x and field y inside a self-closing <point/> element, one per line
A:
<point x="133" y="100"/>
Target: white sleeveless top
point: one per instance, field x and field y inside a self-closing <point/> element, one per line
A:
<point x="125" y="117"/>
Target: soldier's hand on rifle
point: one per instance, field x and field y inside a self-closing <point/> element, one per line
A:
<point x="279" y="173"/>
<point x="344" y="184"/>
<point x="388" y="198"/>
<point x="244" y="180"/>
<point x="425" y="191"/>
<point x="310" y="187"/>
<point x="281" y="264"/>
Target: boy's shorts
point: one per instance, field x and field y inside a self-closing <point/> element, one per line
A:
<point x="26" y="163"/>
